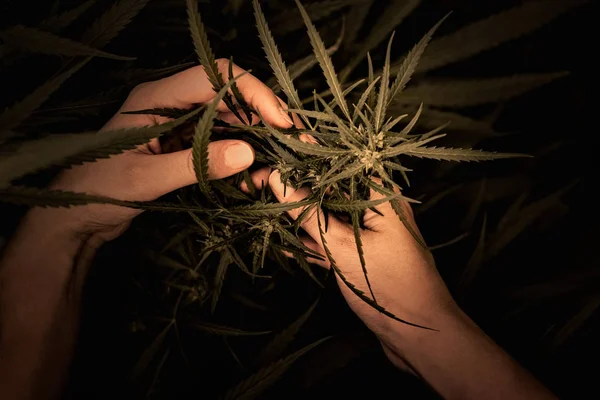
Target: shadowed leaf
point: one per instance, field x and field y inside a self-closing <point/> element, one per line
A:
<point x="108" y="26"/>
<point x="220" y="330"/>
<point x="58" y="22"/>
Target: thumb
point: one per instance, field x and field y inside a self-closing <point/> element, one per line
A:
<point x="172" y="171"/>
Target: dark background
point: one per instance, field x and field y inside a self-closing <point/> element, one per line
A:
<point x="538" y="298"/>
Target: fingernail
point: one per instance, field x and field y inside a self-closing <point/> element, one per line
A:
<point x="238" y="155"/>
<point x="286" y="116"/>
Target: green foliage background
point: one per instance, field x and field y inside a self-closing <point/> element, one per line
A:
<point x="523" y="264"/>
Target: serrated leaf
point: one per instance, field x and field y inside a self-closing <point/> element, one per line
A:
<point x="355" y="19"/>
<point x="287" y="21"/>
<point x="202" y="138"/>
<point x="224" y="262"/>
<point x="472" y="92"/>
<point x="36" y="41"/>
<point x="172" y="113"/>
<point x="361" y="205"/>
<point x="350" y="170"/>
<point x="274" y="57"/>
<point x="306" y="148"/>
<point x="283" y="339"/>
<point x="492" y="31"/>
<point x="335" y="167"/>
<point x="63" y="20"/>
<point x="364" y="97"/>
<point x="68" y="149"/>
<point x="451" y="154"/>
<point x="108" y="26"/>
<point x="391" y="17"/>
<point x="202" y="45"/>
<point x="12" y="117"/>
<point x="238" y="95"/>
<point x="261" y="209"/>
<point x="324" y="61"/>
<point x="382" y="96"/>
<point x="254" y="385"/>
<point x="408" y="66"/>
<point x="220" y="330"/>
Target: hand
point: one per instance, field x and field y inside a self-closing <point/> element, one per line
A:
<point x="402" y="274"/>
<point x="146" y="174"/>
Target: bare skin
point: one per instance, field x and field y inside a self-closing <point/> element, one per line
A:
<point x="40" y="290"/>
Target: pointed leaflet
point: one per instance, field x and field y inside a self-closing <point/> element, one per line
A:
<point x="382" y="97"/>
<point x="364" y="97"/>
<point x="451" y="154"/>
<point x="407" y="68"/>
<point x="220" y="330"/>
<point x="390" y="18"/>
<point x="492" y="31"/>
<point x="361" y="205"/>
<point x="277" y="65"/>
<point x="359" y="293"/>
<point x="12" y="117"/>
<point x="36" y="41"/>
<point x="239" y="97"/>
<point x="172" y="113"/>
<point x="108" y="26"/>
<point x="67" y="149"/>
<point x="307" y="148"/>
<point x="449" y="242"/>
<point x="324" y="62"/>
<point x="472" y="92"/>
<point x="252" y="387"/>
<point x="202" y="138"/>
<point x="150" y="353"/>
<point x="262" y="210"/>
<point x="61" y="21"/>
<point x="224" y="262"/>
<point x="356" y="218"/>
<point x="350" y="170"/>
<point x="287" y="20"/>
<point x="283" y="339"/>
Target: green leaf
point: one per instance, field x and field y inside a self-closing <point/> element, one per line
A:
<point x="36" y="41"/>
<point x="262" y="210"/>
<point x="472" y="92"/>
<point x="320" y="116"/>
<point x="202" y="138"/>
<point x="67" y="149"/>
<point x="108" y="26"/>
<point x="277" y="65"/>
<point x="220" y="330"/>
<point x="408" y="66"/>
<point x="58" y="22"/>
<point x="451" y="154"/>
<point x="12" y="117"/>
<point x="281" y="341"/>
<point x="390" y="18"/>
<point x="492" y="31"/>
<point x="172" y="113"/>
<point x="306" y="148"/>
<point x="324" y="61"/>
<point x="254" y="385"/>
<point x="350" y="170"/>
<point x="336" y="166"/>
<point x="202" y="46"/>
<point x="287" y="20"/>
<point x="382" y="97"/>
<point x="364" y="97"/>
<point x="224" y="262"/>
<point x="361" y="205"/>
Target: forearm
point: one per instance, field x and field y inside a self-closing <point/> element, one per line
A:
<point x="40" y="287"/>
<point x="460" y="362"/>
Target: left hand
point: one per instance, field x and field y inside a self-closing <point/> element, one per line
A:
<point x="145" y="173"/>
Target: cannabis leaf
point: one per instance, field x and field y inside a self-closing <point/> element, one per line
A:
<point x="450" y="154"/>
<point x="109" y="24"/>
<point x="36" y="41"/>
<point x="58" y="22"/>
<point x="220" y="330"/>
<point x="255" y="384"/>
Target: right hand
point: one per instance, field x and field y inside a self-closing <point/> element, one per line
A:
<point x="402" y="273"/>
